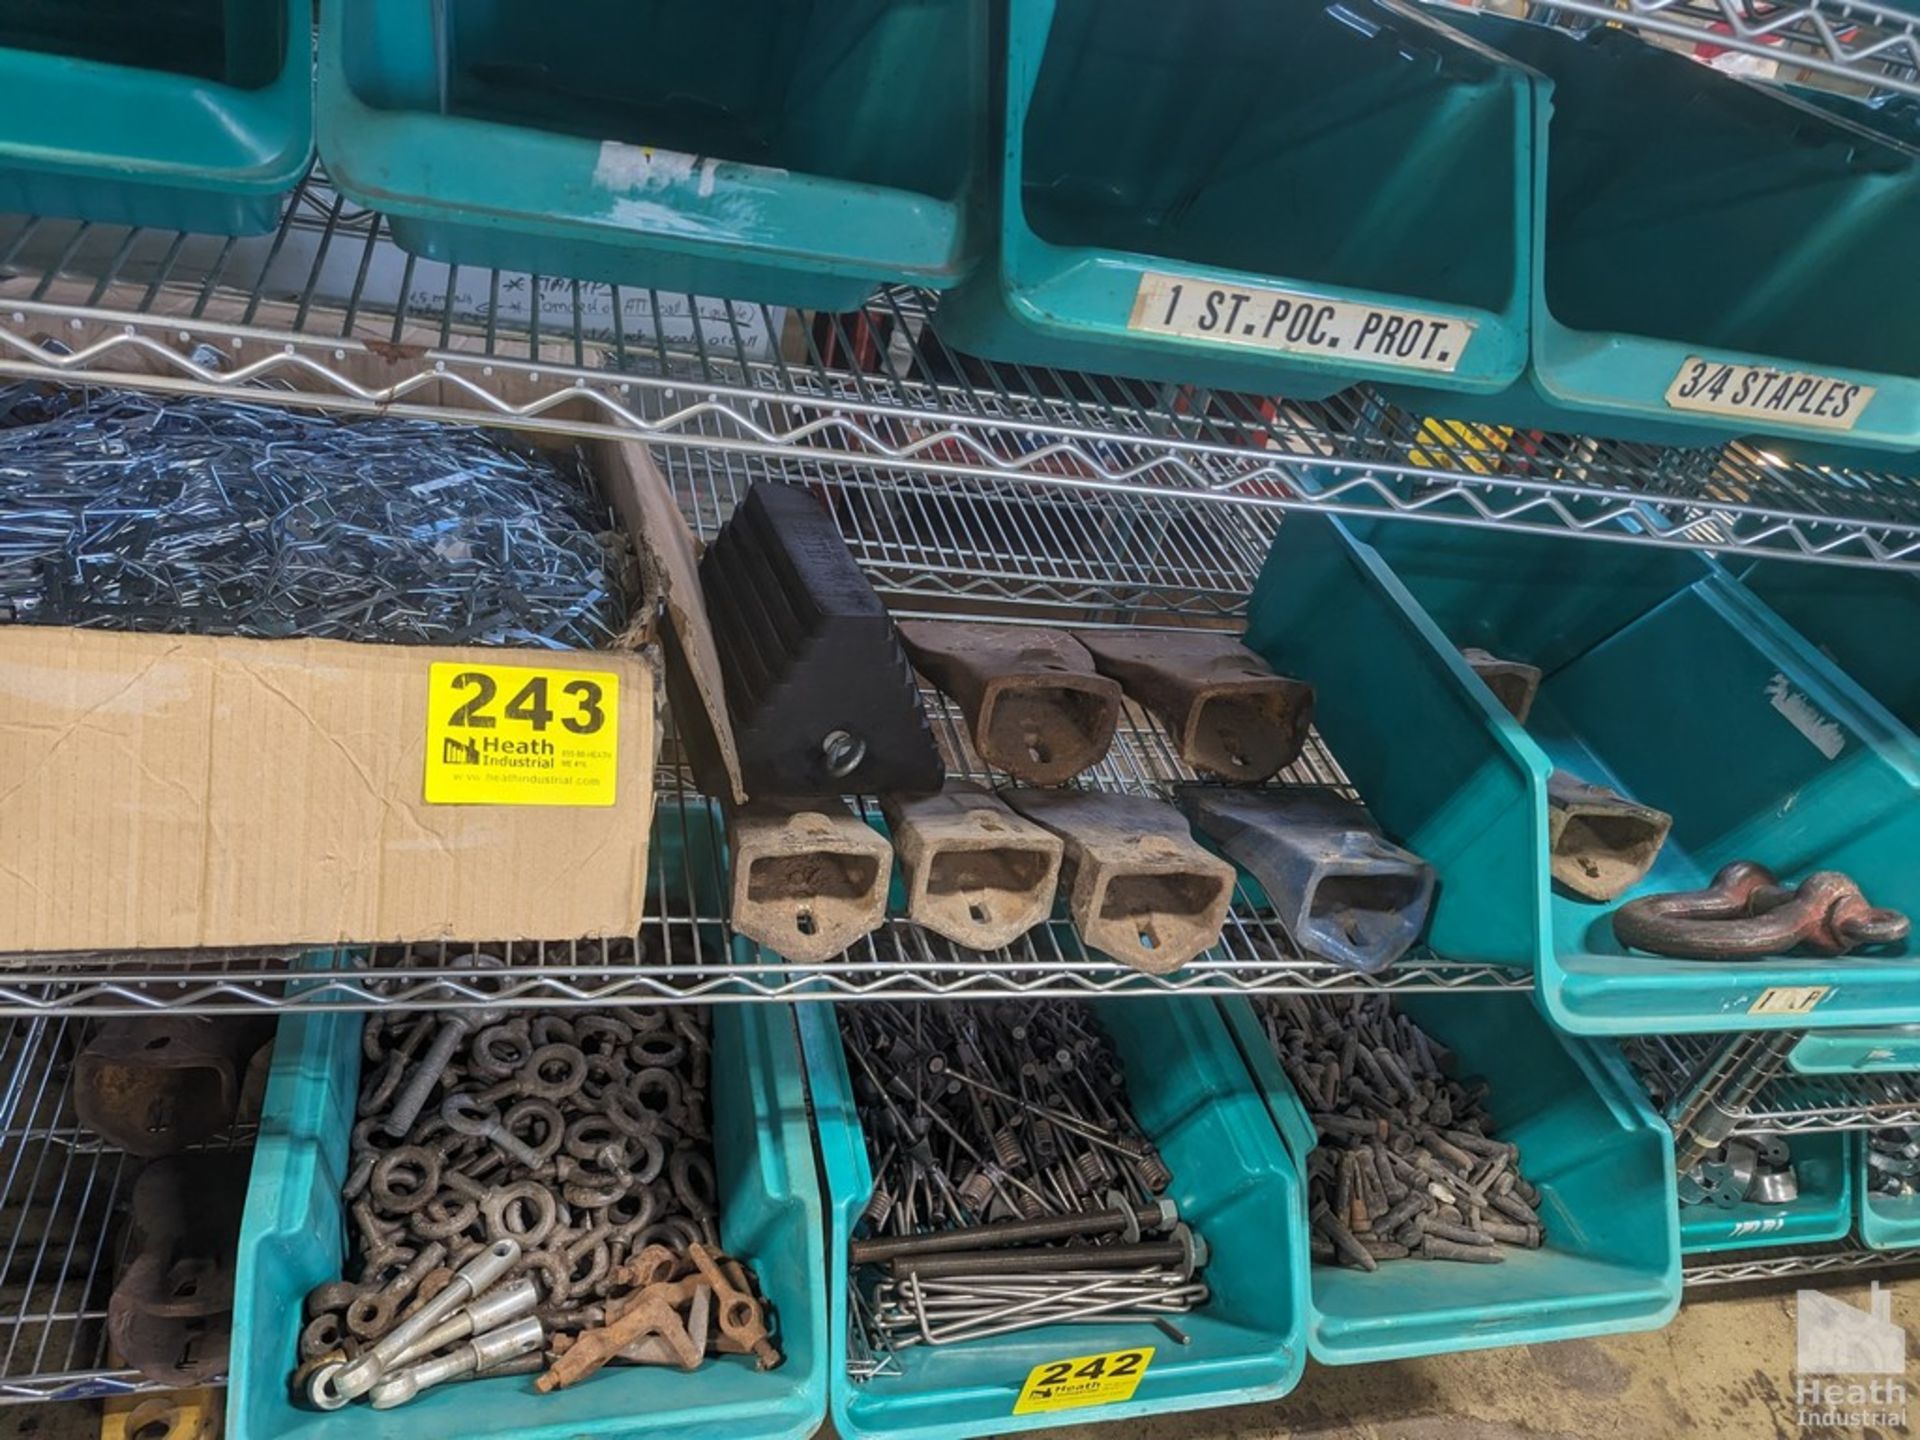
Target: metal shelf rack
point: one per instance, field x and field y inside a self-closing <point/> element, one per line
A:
<point x="1789" y="1103"/>
<point x="328" y="313"/>
<point x="1853" y="40"/>
<point x="1842" y="1257"/>
<point x="64" y="1197"/>
<point x="682" y="952"/>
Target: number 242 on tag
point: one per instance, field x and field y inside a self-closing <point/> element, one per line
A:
<point x="1083" y="1380"/>
<point x="516" y="735"/>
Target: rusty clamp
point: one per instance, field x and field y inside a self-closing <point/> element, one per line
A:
<point x="1747" y="912"/>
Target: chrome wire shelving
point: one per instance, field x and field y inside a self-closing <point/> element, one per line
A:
<point x="684" y="952"/>
<point x="1841" y="1257"/>
<point x="1790" y="1103"/>
<point x="327" y="312"/>
<point x="64" y="1199"/>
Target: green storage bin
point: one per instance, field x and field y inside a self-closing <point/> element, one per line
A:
<point x="1685" y="216"/>
<point x="795" y="153"/>
<point x="1360" y="153"/>
<point x="175" y="114"/>
<point x="1232" y="1180"/>
<point x="1666" y="680"/>
<point x="1886" y="1222"/>
<point x="1825" y="1165"/>
<point x="291" y="1239"/>
<point x="1858" y="1052"/>
<point x="1591" y="1143"/>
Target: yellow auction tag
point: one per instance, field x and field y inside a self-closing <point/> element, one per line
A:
<point x="1084" y="1380"/>
<point x="520" y="735"/>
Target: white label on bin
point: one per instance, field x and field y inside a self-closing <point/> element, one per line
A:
<point x="1296" y="324"/>
<point x="1822" y="732"/>
<point x="1789" y="999"/>
<point x="1759" y="392"/>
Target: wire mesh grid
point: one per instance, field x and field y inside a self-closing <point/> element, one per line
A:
<point x="64" y="1199"/>
<point x="1842" y="1257"/>
<point x="1790" y="1102"/>
<point x="683" y="951"/>
<point x="330" y="311"/>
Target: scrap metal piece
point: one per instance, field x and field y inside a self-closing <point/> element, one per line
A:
<point x="483" y="1352"/>
<point x="1600" y="843"/>
<point x="651" y="1314"/>
<point x="170" y="1315"/>
<point x="822" y="698"/>
<point x="1345" y="893"/>
<point x="1514" y="683"/>
<point x="1139" y="887"/>
<point x="155" y="1085"/>
<point x="808" y="881"/>
<point x="976" y="872"/>
<point x="1721" y="1089"/>
<point x="1747" y="912"/>
<point x="1035" y="706"/>
<point x="1229" y="713"/>
<point x="737" y="1313"/>
<point x="1726" y="1177"/>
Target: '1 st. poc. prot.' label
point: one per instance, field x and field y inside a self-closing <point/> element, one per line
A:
<point x="521" y="735"/>
<point x="1759" y="392"/>
<point x="1295" y="324"/>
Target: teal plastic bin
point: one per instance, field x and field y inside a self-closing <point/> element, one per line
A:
<point x="1194" y="1098"/>
<point x="1693" y="225"/>
<point x="1360" y="155"/>
<point x="1591" y="1143"/>
<point x="1665" y="679"/>
<point x="1824" y="1164"/>
<point x="176" y="114"/>
<point x="291" y="1239"/>
<point x="1887" y="1222"/>
<point x="1858" y="1052"/>
<point x="796" y="153"/>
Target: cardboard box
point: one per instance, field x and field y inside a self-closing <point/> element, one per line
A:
<point x="162" y="792"/>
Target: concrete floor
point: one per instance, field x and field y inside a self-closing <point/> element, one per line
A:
<point x="1725" y="1368"/>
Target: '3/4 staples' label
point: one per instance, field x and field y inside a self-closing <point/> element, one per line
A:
<point x="1759" y="392"/>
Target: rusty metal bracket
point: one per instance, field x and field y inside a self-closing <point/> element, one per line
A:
<point x="170" y="1314"/>
<point x="1230" y="715"/>
<point x="976" y="872"/>
<point x="1747" y="912"/>
<point x="155" y="1085"/>
<point x="1600" y="843"/>
<point x="1035" y="705"/>
<point x="1139" y="887"/>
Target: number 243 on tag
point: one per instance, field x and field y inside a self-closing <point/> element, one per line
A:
<point x="517" y="735"/>
<point x="1083" y="1380"/>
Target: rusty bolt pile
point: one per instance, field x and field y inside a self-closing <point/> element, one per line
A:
<point x="1407" y="1164"/>
<point x="1012" y="1186"/>
<point x="1893" y="1160"/>
<point x="528" y="1193"/>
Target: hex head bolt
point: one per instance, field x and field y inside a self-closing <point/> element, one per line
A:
<point x="482" y="1352"/>
<point x="469" y="1282"/>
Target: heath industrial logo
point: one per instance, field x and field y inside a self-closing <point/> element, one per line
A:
<point x="1851" y="1363"/>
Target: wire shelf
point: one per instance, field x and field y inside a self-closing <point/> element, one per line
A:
<point x="327" y="312"/>
<point x="683" y="952"/>
<point x="1790" y="1103"/>
<point x="1871" y="44"/>
<point x="64" y="1200"/>
<point x="1842" y="1257"/>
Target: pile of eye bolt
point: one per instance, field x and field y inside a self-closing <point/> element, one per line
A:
<point x="528" y="1194"/>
